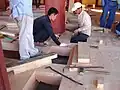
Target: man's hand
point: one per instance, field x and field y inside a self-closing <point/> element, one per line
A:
<point x="58" y="35"/>
<point x="63" y="45"/>
<point x="9" y="11"/>
<point x="76" y="32"/>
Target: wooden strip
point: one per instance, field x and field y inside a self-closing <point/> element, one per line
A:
<point x="83" y="52"/>
<point x="10" y="46"/>
<point x="69" y="85"/>
<point x="73" y="56"/>
<point x="84" y="66"/>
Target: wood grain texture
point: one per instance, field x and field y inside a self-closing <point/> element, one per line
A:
<point x="4" y="83"/>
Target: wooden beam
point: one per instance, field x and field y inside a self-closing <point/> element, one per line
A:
<point x="73" y="56"/>
<point x="4" y="82"/>
<point x="35" y="63"/>
<point x="2" y="4"/>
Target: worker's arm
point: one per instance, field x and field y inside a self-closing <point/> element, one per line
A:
<point x="50" y="32"/>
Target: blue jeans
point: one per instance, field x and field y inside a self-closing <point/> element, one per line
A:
<point x="110" y="7"/>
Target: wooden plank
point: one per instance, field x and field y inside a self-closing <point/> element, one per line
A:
<point x="44" y="75"/>
<point x="11" y="54"/>
<point x="6" y="45"/>
<point x="10" y="32"/>
<point x="36" y="63"/>
<point x="10" y="50"/>
<point x="11" y="29"/>
<point x="84" y="66"/>
<point x="4" y="83"/>
<point x="83" y="52"/>
<point x="73" y="56"/>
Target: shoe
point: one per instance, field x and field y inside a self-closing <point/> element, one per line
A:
<point x="22" y="61"/>
<point x="40" y="44"/>
<point x="36" y="55"/>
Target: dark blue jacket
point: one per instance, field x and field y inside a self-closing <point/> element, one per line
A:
<point x="42" y="26"/>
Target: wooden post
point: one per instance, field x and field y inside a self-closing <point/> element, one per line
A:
<point x="2" y="4"/>
<point x="59" y="24"/>
<point x="96" y="3"/>
<point x="4" y="82"/>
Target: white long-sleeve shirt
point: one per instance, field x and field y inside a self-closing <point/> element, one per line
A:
<point x="84" y="23"/>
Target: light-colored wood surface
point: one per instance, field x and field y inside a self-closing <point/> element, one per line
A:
<point x="32" y="65"/>
<point x="7" y="45"/>
<point x="69" y="85"/>
<point x="44" y="75"/>
<point x="83" y="52"/>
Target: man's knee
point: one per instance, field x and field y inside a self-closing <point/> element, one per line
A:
<point x="73" y="41"/>
<point x="78" y="39"/>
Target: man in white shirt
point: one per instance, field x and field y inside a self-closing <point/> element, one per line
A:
<point x="21" y="11"/>
<point x="84" y="22"/>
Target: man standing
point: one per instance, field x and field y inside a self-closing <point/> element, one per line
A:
<point x="84" y="24"/>
<point x="21" y="11"/>
<point x="111" y="7"/>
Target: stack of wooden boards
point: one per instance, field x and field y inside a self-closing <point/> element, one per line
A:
<point x="9" y="34"/>
<point x="9" y="29"/>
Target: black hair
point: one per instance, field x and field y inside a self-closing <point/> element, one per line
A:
<point x="52" y="10"/>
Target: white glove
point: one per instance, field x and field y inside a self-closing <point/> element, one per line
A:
<point x="63" y="45"/>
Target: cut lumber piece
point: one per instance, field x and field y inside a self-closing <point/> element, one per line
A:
<point x="11" y="25"/>
<point x="33" y="63"/>
<point x="6" y="45"/>
<point x="73" y="56"/>
<point x="83" y="52"/>
<point x="84" y="66"/>
<point x="2" y="26"/>
<point x="9" y="29"/>
<point x="10" y="50"/>
<point x="46" y="76"/>
<point x="9" y="32"/>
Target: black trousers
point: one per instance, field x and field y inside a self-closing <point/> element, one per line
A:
<point x="81" y="37"/>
